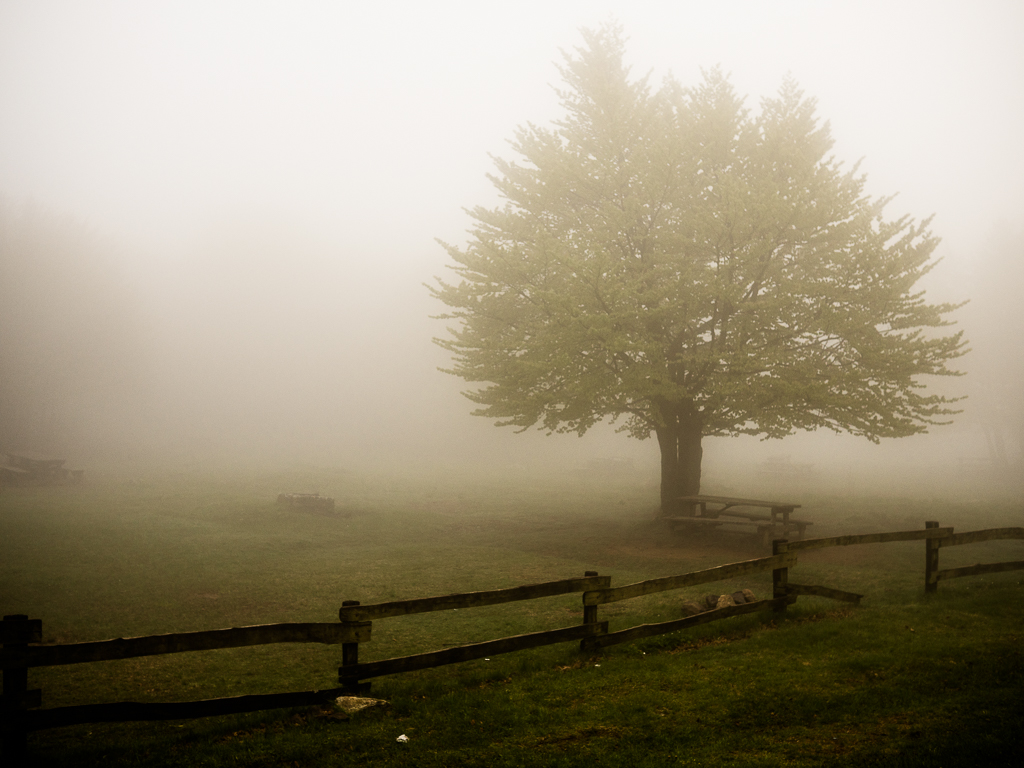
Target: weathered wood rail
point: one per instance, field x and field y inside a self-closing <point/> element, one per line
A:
<point x="719" y="573"/>
<point x="651" y="630"/>
<point x="180" y="642"/>
<point x="935" y="538"/>
<point x="592" y="634"/>
<point x="869" y="538"/>
<point x="469" y="652"/>
<point x="21" y="636"/>
<point x="130" y="711"/>
<point x="357" y="612"/>
<point x="18" y="633"/>
<point x="933" y="575"/>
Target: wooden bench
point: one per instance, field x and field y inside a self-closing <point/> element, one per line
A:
<point x="715" y="511"/>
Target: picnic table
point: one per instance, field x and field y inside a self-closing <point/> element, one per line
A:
<point x="32" y="469"/>
<point x="715" y="511"/>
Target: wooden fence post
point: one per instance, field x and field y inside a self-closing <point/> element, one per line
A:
<point x="18" y="631"/>
<point x="931" y="560"/>
<point x="589" y="617"/>
<point x="780" y="576"/>
<point x="350" y="657"/>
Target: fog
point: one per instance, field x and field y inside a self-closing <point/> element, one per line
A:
<point x="217" y="219"/>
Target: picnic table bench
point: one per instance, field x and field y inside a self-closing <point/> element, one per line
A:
<point x="715" y="511"/>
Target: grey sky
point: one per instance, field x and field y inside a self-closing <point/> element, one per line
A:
<point x="366" y="119"/>
<point x="356" y="133"/>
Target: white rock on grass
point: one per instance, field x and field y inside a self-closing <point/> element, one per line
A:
<point x="352" y="704"/>
<point x="724" y="601"/>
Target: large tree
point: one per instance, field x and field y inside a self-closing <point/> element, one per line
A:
<point x="671" y="258"/>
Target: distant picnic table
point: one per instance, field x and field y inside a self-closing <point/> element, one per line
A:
<point x="703" y="512"/>
<point x="27" y="468"/>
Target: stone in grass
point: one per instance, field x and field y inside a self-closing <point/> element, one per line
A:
<point x="711" y="601"/>
<point x="352" y="704"/>
<point x="749" y="596"/>
<point x="738" y="597"/>
<point x="724" y="601"/>
<point x="692" y="608"/>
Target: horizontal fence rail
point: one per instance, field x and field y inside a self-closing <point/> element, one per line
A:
<point x="472" y="599"/>
<point x="664" y="627"/>
<point x="935" y="538"/>
<point x="972" y="537"/>
<point x="470" y="652"/>
<point x="870" y="538"/>
<point x="977" y="570"/>
<point x="180" y="642"/>
<point x="129" y="711"/>
<point x="933" y="575"/>
<point x="719" y="573"/>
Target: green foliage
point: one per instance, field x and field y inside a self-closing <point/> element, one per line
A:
<point x="666" y="252"/>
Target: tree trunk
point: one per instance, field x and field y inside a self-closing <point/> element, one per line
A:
<point x="681" y="454"/>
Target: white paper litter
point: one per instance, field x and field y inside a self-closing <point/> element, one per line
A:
<point x="402" y="739"/>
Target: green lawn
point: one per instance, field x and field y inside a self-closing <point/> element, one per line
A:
<point x="903" y="679"/>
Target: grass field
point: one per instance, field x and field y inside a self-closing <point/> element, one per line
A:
<point x="903" y="679"/>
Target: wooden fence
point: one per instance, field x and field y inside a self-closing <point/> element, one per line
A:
<point x="935" y="538"/>
<point x="18" y="654"/>
<point x="20" y="635"/>
<point x="592" y="633"/>
<point x="932" y="573"/>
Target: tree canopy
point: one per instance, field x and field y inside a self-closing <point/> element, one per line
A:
<point x="669" y="257"/>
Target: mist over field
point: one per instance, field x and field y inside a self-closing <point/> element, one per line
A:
<point x="217" y="221"/>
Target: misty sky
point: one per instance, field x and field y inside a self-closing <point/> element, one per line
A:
<point x="319" y="148"/>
